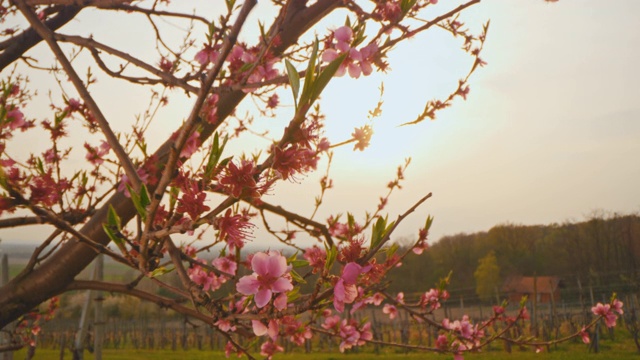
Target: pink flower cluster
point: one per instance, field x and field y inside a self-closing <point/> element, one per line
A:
<point x="608" y="312"/>
<point x="357" y="62"/>
<point x="351" y="333"/>
<point x="95" y="155"/>
<point x="432" y="298"/>
<point x="240" y="56"/>
<point x="345" y="290"/>
<point x="233" y="229"/>
<point x="209" y="280"/>
<point x="270" y="276"/>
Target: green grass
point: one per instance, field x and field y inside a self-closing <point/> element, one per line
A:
<point x="609" y="351"/>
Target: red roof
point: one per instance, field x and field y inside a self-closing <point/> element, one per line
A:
<point x="524" y="284"/>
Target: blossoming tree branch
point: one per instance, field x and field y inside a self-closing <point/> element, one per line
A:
<point x="130" y="202"/>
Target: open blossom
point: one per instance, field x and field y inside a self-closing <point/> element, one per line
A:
<point x="585" y="336"/>
<point x="345" y="290"/>
<point x="608" y="312"/>
<point x="442" y="342"/>
<point x="390" y="310"/>
<point x="260" y="329"/>
<point x="271" y="275"/>
<point x="95" y="155"/>
<point x="225" y="265"/>
<point x="352" y="335"/>
<point x="357" y="62"/>
<point x="432" y="298"/>
<point x="208" y="281"/>
<point x="269" y="349"/>
<point x="375" y="299"/>
<point x="363" y="137"/>
<point x="316" y="258"/>
<point x="207" y="55"/>
<point x="233" y="229"/>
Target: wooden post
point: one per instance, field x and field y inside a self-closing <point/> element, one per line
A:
<point x="98" y="325"/>
<point x="4" y="278"/>
<point x="534" y="305"/>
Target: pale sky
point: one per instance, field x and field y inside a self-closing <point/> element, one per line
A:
<point x="550" y="131"/>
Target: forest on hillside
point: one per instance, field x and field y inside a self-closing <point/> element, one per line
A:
<point x="601" y="253"/>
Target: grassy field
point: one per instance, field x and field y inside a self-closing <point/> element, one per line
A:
<point x="609" y="351"/>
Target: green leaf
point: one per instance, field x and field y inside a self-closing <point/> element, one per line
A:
<point x="294" y="81"/>
<point x="293" y="295"/>
<point x="325" y="76"/>
<point x="161" y="271"/>
<point x="297" y="278"/>
<point x="310" y="75"/>
<point x="136" y="199"/>
<point x="377" y="232"/>
<point x="428" y="223"/>
<point x="299" y="263"/>
<point x="392" y="250"/>
<point x="144" y="196"/>
<point x="114" y="236"/>
<point x="214" y="155"/>
<point x="332" y="254"/>
<point x="113" y="220"/>
<point x="173" y="197"/>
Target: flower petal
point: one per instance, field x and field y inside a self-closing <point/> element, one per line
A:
<point x="258" y="327"/>
<point x="262" y="297"/>
<point x="248" y="285"/>
<point x="282" y="285"/>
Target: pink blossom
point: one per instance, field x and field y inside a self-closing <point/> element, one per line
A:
<point x="352" y="335"/>
<point x="390" y="310"/>
<point x="207" y="55"/>
<point x="17" y="118"/>
<point x="225" y="325"/>
<point x="229" y="348"/>
<point x="356" y="62"/>
<point x="280" y="303"/>
<point x="316" y="258"/>
<point x="260" y="329"/>
<point x="617" y="306"/>
<point x="233" y="228"/>
<point x="585" y="336"/>
<point x="273" y="101"/>
<point x="208" y="281"/>
<point x="225" y="265"/>
<point x="363" y="137"/>
<point x="271" y="275"/>
<point x="442" y="342"/>
<point x="607" y="314"/>
<point x="345" y="290"/>
<point x="331" y="322"/>
<point x="376" y="299"/>
<point x="191" y="146"/>
<point x="165" y="65"/>
<point x="269" y="349"/>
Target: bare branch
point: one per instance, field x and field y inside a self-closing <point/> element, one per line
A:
<point x="48" y="36"/>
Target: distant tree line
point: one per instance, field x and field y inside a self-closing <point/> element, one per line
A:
<point x="602" y="250"/>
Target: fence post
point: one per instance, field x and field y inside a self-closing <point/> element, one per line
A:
<point x="4" y="278"/>
<point x="98" y="325"/>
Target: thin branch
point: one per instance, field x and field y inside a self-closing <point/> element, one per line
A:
<point x="16" y="46"/>
<point x="49" y="37"/>
<point x="80" y="3"/>
<point x="375" y="250"/>
<point x="296" y="218"/>
<point x="91" y="44"/>
<point x="189" y="125"/>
